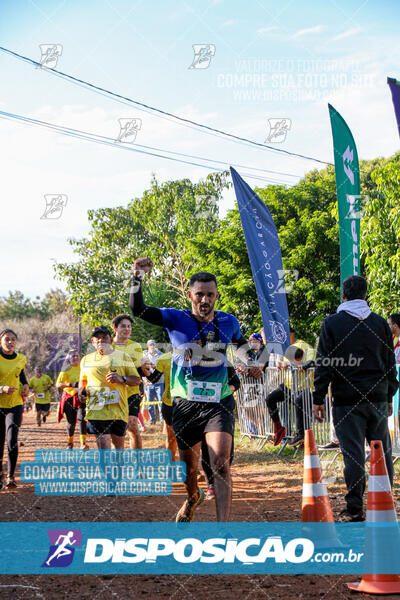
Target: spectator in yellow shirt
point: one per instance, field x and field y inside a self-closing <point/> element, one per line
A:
<point x="297" y="355"/>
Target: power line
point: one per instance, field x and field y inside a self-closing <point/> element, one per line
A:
<point x="205" y="128"/>
<point x="156" y="152"/>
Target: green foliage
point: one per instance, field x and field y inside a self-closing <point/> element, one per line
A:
<point x="306" y="219"/>
<point x="308" y="234"/>
<point x="17" y="306"/>
<point x="159" y="294"/>
<point x="225" y="254"/>
<point x="176" y="223"/>
<point x="380" y="241"/>
<point x="157" y="225"/>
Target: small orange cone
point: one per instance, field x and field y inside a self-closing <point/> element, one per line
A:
<point x="316" y="507"/>
<point x="380" y="509"/>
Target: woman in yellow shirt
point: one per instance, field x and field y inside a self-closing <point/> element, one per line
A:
<point x="11" y="374"/>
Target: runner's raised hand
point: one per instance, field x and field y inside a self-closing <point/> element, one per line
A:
<point x="142" y="266"/>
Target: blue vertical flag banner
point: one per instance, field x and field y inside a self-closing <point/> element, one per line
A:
<point x="395" y="89"/>
<point x="266" y="264"/>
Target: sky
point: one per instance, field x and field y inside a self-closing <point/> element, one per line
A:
<point x="266" y="61"/>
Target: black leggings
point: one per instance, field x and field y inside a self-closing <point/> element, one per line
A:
<point x="279" y="395"/>
<point x="10" y="422"/>
<point x="72" y="414"/>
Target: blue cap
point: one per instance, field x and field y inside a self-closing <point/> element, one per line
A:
<point x="257" y="336"/>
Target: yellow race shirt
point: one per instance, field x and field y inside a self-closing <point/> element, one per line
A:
<point x="106" y="401"/>
<point x="304" y="379"/>
<point x="164" y="366"/>
<point x="69" y="376"/>
<point x="9" y="375"/>
<point x="38" y="384"/>
<point x="134" y="350"/>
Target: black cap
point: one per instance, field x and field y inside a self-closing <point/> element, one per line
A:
<point x="100" y="331"/>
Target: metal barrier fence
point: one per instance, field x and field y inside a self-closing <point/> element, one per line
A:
<point x="255" y="421"/>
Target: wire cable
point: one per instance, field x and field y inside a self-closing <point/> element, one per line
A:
<point x="158" y="110"/>
<point x="155" y="152"/>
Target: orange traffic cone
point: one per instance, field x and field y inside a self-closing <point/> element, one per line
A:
<point x="380" y="509"/>
<point x="316" y="507"/>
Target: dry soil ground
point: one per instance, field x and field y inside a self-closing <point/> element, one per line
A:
<point x="266" y="488"/>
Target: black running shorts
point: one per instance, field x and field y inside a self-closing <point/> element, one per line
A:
<point x="43" y="407"/>
<point x="191" y="420"/>
<point x="98" y="427"/>
<point x="134" y="404"/>
<point x="166" y="412"/>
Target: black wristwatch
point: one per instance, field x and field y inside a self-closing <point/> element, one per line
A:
<point x="124" y="379"/>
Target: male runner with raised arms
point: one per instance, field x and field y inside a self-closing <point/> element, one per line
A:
<point x="202" y="400"/>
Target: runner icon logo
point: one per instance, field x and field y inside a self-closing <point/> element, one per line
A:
<point x="203" y="54"/>
<point x="61" y="551"/>
<point x="278" y="129"/>
<point x="55" y="204"/>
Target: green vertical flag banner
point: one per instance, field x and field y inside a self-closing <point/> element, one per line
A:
<point x="348" y="195"/>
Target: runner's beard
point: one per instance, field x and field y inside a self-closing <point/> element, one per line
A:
<point x="205" y="310"/>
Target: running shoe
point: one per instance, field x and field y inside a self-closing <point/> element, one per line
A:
<point x="38" y="423"/>
<point x="297" y="440"/>
<point x="70" y="446"/>
<point x="11" y="485"/>
<point x="279" y="434"/>
<point x="210" y="495"/>
<point x="347" y="517"/>
<point x="186" y="511"/>
<point x="85" y="447"/>
<point x="331" y="446"/>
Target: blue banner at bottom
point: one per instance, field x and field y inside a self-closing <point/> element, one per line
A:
<point x="199" y="548"/>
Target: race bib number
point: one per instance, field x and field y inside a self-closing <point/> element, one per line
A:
<point x="104" y="398"/>
<point x="39" y="395"/>
<point x="204" y="391"/>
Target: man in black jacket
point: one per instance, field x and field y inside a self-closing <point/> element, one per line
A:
<point x="355" y="355"/>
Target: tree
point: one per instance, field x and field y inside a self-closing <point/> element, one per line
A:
<point x="57" y="301"/>
<point x="158" y="225"/>
<point x="176" y="224"/>
<point x="381" y="238"/>
<point x="225" y="255"/>
<point x="17" y="306"/>
<point x="306" y="219"/>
